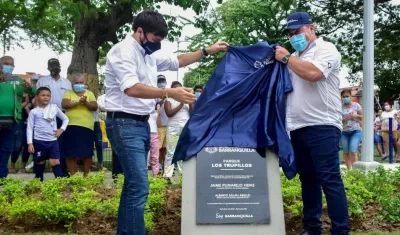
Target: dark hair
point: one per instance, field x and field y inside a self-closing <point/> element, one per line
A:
<point x="175" y="83"/>
<point x="151" y="22"/>
<point x="40" y="89"/>
<point x="198" y="87"/>
<point x="344" y="91"/>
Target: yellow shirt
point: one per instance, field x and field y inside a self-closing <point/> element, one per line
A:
<point x="80" y="115"/>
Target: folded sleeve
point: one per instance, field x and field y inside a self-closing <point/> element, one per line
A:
<point x="326" y="59"/>
<point x="124" y="67"/>
<point x="166" y="62"/>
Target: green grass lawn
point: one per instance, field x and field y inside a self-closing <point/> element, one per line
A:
<point x="377" y="233"/>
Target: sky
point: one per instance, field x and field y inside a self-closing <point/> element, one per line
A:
<point x="33" y="59"/>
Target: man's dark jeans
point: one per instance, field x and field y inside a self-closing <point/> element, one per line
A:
<point x="6" y="147"/>
<point x="130" y="140"/>
<point x="63" y="159"/>
<point x="116" y="166"/>
<point x="20" y="143"/>
<point x="98" y="141"/>
<point x="317" y="160"/>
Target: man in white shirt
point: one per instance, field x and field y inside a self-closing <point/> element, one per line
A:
<point x="314" y="120"/>
<point x="131" y="93"/>
<point x="58" y="86"/>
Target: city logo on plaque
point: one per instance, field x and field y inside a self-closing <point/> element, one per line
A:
<point x="211" y="149"/>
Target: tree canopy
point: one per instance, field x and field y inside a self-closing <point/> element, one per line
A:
<point x="87" y="27"/>
<point x="243" y="22"/>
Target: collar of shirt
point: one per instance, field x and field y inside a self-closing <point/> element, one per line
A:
<point x="313" y="44"/>
<point x="135" y="44"/>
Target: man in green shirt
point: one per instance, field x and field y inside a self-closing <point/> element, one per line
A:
<point x="12" y="89"/>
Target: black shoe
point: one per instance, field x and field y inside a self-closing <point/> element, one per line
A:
<point x="384" y="158"/>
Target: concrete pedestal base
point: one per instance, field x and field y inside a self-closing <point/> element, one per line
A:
<point x="366" y="166"/>
<point x="189" y="226"/>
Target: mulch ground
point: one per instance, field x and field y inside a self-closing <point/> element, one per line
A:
<point x="168" y="223"/>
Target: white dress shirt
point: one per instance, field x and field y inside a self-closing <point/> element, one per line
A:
<point x="57" y="88"/>
<point x="126" y="65"/>
<point x="316" y="103"/>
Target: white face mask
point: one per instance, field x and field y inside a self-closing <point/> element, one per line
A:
<point x="387" y="107"/>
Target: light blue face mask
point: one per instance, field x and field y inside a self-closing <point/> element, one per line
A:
<point x="79" y="87"/>
<point x="299" y="42"/>
<point x="346" y="100"/>
<point x="8" y="69"/>
<point x="197" y="94"/>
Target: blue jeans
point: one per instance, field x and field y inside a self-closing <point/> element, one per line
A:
<point x="6" y="147"/>
<point x="351" y="140"/>
<point x="316" y="151"/>
<point x="130" y="140"/>
<point x="98" y="141"/>
<point x="20" y="143"/>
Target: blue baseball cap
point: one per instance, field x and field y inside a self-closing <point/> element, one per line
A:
<point x="297" y="20"/>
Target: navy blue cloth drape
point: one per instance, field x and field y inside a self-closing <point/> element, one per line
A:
<point x="243" y="105"/>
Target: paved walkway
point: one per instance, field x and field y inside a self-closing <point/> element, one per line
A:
<point x="109" y="180"/>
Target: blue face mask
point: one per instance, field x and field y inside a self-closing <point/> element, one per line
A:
<point x="197" y="94"/>
<point x="150" y="47"/>
<point x="346" y="100"/>
<point x="79" y="87"/>
<point x="8" y="69"/>
<point x="299" y="42"/>
<point x="161" y="85"/>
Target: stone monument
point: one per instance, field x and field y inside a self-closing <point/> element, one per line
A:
<point x="229" y="191"/>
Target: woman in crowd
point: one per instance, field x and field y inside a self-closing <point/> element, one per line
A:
<point x="351" y="135"/>
<point x="178" y="115"/>
<point x="153" y="160"/>
<point x="388" y="114"/>
<point x="79" y="105"/>
<point x="378" y="140"/>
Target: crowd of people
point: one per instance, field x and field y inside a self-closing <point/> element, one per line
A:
<point x="352" y="130"/>
<point x="57" y="119"/>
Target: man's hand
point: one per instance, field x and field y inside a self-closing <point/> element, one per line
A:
<point x="346" y="118"/>
<point x="27" y="84"/>
<point x="217" y="47"/>
<point x="182" y="94"/>
<point x="59" y="132"/>
<point x="280" y="52"/>
<point x="31" y="149"/>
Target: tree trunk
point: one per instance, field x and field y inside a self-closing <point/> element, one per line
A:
<point x="85" y="54"/>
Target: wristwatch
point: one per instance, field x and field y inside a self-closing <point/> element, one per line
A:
<point x="286" y="58"/>
<point x="204" y="52"/>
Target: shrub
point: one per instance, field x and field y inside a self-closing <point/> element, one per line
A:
<point x="380" y="189"/>
<point x="65" y="200"/>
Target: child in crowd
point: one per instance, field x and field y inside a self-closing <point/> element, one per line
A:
<point x="153" y="159"/>
<point x="42" y="133"/>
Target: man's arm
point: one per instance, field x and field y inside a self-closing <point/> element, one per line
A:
<point x="314" y="69"/>
<point x="305" y="69"/>
<point x="168" y="63"/>
<point x="125" y="68"/>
